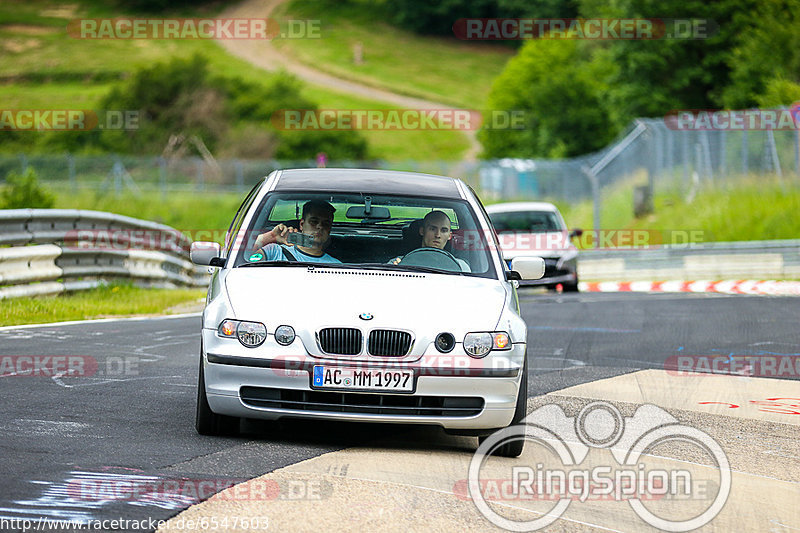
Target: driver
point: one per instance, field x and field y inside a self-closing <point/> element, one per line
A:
<point x="435" y="233"/>
<point x="317" y="219"/>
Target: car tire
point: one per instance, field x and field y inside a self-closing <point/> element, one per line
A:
<point x="514" y="448"/>
<point x="570" y="287"/>
<point x="207" y="422"/>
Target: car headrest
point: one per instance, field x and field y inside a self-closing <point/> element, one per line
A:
<point x="413" y="240"/>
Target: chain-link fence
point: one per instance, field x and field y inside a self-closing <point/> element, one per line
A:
<point x="704" y="150"/>
<point x="117" y="174"/>
<point x="652" y="155"/>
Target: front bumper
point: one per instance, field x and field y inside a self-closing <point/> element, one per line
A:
<point x="551" y="280"/>
<point x="445" y="378"/>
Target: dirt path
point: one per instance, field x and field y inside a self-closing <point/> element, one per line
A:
<point x="264" y="55"/>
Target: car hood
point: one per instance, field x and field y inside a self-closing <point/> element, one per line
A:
<point x="312" y="299"/>
<point x="547" y="244"/>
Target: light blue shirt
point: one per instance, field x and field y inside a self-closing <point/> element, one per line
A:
<point x="273" y="252"/>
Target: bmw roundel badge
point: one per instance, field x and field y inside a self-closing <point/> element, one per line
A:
<point x="365" y="316"/>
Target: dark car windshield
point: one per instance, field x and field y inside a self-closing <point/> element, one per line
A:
<point x="526" y="221"/>
<point x="377" y="231"/>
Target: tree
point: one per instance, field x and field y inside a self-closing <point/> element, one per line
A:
<point x="656" y="76"/>
<point x="765" y="62"/>
<point x="558" y="84"/>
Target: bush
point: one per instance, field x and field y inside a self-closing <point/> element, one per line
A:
<point x="558" y="86"/>
<point x="23" y="191"/>
<point x="184" y="97"/>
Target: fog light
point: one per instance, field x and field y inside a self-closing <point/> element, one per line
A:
<point x="284" y="335"/>
<point x="251" y="334"/>
<point x="478" y="344"/>
<point x="445" y="342"/>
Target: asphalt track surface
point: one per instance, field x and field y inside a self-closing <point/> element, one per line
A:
<point x="65" y="440"/>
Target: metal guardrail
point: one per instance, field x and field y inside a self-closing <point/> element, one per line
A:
<point x="56" y="250"/>
<point x="779" y="259"/>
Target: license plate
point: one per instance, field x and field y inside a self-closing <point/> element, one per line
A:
<point x="345" y="378"/>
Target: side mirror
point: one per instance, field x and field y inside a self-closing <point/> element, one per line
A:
<point x="206" y="253"/>
<point x="526" y="267"/>
<point x="575" y="233"/>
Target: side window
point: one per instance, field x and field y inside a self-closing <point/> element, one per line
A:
<point x="236" y="223"/>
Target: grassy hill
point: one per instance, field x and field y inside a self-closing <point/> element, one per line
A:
<point x="441" y="69"/>
<point x="42" y="67"/>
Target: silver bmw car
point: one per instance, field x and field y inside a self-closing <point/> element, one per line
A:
<point x="363" y="295"/>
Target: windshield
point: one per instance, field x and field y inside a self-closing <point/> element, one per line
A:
<point x="526" y="221"/>
<point x="379" y="231"/>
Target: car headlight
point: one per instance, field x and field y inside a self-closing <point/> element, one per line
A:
<point x="480" y="344"/>
<point x="250" y="334"/>
<point x="284" y="335"/>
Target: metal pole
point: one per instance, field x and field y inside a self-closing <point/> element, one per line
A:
<point x="201" y="178"/>
<point x="745" y="168"/>
<point x="773" y="152"/>
<point x="596" y="201"/>
<point x="162" y="176"/>
<point x="797" y="151"/>
<point x="237" y="165"/>
<point x="686" y="160"/>
<point x="71" y="171"/>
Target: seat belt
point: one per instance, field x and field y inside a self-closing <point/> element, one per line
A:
<point x="288" y="255"/>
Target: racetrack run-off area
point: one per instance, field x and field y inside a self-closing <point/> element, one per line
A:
<point x="114" y="438"/>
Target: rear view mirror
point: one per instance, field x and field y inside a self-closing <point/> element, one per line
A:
<point x="576" y="233"/>
<point x="358" y="211"/>
<point x="206" y="253"/>
<point x="528" y="267"/>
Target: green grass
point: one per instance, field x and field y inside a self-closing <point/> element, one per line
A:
<point x="42" y="67"/>
<point x="442" y="69"/>
<point x="751" y="208"/>
<point x="189" y="212"/>
<point x="112" y="300"/>
<point x="422" y="145"/>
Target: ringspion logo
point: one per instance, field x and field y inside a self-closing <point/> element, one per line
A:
<point x="562" y="475"/>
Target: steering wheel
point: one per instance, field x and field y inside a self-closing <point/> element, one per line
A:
<point x="431" y="257"/>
